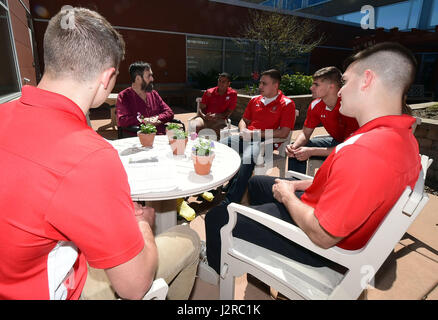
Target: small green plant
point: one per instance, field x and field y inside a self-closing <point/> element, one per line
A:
<point x="203" y="147"/>
<point x="179" y="134"/>
<point x="148" y="128"/>
<point x="172" y="126"/>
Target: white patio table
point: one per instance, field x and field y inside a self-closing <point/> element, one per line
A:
<point x="158" y="177"/>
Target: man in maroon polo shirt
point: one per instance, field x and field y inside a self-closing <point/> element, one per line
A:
<point x="217" y="105"/>
<point x="142" y="99"/>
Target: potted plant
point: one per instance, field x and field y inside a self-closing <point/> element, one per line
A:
<point x="203" y="155"/>
<point x="178" y="141"/>
<point x="170" y="127"/>
<point x="147" y="134"/>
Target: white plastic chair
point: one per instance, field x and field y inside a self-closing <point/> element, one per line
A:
<point x="299" y="281"/>
<point x="158" y="290"/>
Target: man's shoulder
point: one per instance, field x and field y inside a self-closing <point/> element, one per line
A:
<point x="315" y="104"/>
<point x="125" y="93"/>
<point x="210" y="92"/>
<point x="256" y="98"/>
<point x="287" y="101"/>
<point x="231" y="91"/>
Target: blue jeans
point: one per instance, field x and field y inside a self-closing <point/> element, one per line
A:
<point x="248" y="151"/>
<point x="323" y="142"/>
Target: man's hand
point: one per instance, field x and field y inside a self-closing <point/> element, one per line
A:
<point x="145" y="214"/>
<point x="246" y="134"/>
<point x="290" y="151"/>
<point x="283" y="190"/>
<point x="152" y="120"/>
<point x="210" y="116"/>
<point x="303" y="153"/>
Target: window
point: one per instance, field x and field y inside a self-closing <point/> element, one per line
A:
<point x="403" y="15"/>
<point x="434" y="14"/>
<point x="9" y="80"/>
<point x="239" y="59"/>
<point x="204" y="55"/>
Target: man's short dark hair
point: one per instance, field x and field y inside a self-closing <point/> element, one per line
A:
<point x="274" y="74"/>
<point x="394" y="63"/>
<point x="225" y="75"/>
<point x="80" y="43"/>
<point x="137" y="69"/>
<point x="331" y="74"/>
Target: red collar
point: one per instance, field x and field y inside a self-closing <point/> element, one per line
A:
<point x="34" y="96"/>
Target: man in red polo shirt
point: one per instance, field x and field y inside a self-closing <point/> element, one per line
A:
<point x="270" y="113"/>
<point x="323" y="110"/>
<point x="358" y="183"/>
<point x="217" y="105"/>
<point x="64" y="195"/>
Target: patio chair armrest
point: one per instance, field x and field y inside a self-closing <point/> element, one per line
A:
<point x="287" y="230"/>
<point x="158" y="290"/>
<point x="297" y="175"/>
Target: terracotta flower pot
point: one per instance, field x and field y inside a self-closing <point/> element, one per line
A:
<point x="202" y="164"/>
<point x="178" y="146"/>
<point x="146" y="139"/>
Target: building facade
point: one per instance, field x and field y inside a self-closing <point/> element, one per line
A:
<point x="18" y="60"/>
<point x="186" y="40"/>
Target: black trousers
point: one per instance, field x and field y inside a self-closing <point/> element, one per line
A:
<point x="261" y="198"/>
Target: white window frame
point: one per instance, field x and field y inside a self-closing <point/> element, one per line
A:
<point x="14" y="95"/>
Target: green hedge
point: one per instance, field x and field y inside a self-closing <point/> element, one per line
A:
<point x="296" y="84"/>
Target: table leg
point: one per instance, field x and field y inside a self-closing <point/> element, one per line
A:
<point x="165" y="214"/>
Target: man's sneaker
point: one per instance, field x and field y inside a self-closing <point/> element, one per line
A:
<point x="184" y="210"/>
<point x="208" y="196"/>
<point x="205" y="272"/>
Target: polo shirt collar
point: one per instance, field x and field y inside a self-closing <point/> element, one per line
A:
<point x="271" y="100"/>
<point x="34" y="96"/>
<point x="397" y="122"/>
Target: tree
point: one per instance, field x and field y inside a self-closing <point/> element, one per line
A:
<point x="280" y="36"/>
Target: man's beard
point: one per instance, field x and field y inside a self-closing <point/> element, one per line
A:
<point x="147" y="87"/>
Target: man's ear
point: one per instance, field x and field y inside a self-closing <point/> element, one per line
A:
<point x="368" y="79"/>
<point x="106" y="77"/>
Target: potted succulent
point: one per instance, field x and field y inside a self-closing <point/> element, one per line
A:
<point x="170" y="127"/>
<point x="203" y="155"/>
<point x="147" y="134"/>
<point x="178" y="141"/>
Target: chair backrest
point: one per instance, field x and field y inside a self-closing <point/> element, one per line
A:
<point x="198" y="105"/>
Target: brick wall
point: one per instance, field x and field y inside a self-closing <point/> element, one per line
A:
<point x="427" y="136"/>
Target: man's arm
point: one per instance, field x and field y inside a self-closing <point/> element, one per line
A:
<point x="281" y="133"/>
<point x="132" y="280"/>
<point x="301" y="140"/>
<point x="302" y="214"/>
<point x="126" y="116"/>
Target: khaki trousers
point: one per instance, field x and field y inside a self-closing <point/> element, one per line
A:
<point x="178" y="258"/>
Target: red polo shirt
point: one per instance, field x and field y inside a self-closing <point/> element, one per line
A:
<point x="217" y="103"/>
<point x="64" y="200"/>
<point x="279" y="113"/>
<point x="337" y="125"/>
<point x="363" y="178"/>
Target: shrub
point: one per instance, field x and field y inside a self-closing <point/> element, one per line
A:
<point x="296" y="84"/>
